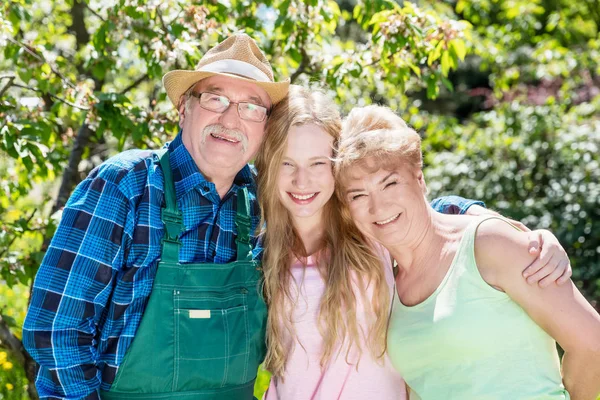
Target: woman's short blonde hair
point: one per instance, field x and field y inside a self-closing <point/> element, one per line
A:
<point x="375" y="137"/>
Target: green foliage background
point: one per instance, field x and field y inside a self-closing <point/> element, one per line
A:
<point x="505" y="92"/>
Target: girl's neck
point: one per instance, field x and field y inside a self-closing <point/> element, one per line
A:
<point x="311" y="231"/>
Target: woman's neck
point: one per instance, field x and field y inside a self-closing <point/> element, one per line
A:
<point x="427" y="244"/>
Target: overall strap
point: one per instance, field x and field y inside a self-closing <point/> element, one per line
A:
<point x="243" y="223"/>
<point x="170" y="214"/>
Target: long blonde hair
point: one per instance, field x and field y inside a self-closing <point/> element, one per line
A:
<point x="347" y="256"/>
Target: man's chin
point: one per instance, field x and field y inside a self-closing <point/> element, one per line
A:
<point x="225" y="160"/>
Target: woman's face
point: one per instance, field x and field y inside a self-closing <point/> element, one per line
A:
<point x="305" y="177"/>
<point x="386" y="205"/>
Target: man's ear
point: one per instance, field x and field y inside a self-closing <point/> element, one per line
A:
<point x="421" y="180"/>
<point x="181" y="111"/>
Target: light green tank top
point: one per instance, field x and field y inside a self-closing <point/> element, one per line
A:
<point x="470" y="341"/>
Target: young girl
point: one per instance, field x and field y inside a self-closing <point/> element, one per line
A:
<point x="327" y="292"/>
<point x="328" y="289"/>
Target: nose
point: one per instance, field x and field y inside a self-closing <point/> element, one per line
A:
<point x="230" y="118"/>
<point x="301" y="178"/>
<point x="375" y="203"/>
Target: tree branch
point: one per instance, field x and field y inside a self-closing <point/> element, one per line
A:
<point x="82" y="36"/>
<point x="10" y="342"/>
<point x="10" y="78"/>
<point x="15" y="347"/>
<point x="31" y="52"/>
<point x="135" y="83"/>
<point x="94" y="12"/>
<point x="70" y="175"/>
<point x="164" y="27"/>
<point x="304" y="63"/>
<point x="53" y="96"/>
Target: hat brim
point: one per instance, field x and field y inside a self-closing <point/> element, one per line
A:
<point x="179" y="81"/>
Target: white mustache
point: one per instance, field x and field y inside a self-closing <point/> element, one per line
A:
<point x="219" y="129"/>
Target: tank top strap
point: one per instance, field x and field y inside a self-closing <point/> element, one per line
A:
<point x="465" y="255"/>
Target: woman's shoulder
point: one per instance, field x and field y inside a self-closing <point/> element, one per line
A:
<point x="495" y="233"/>
<point x="501" y="246"/>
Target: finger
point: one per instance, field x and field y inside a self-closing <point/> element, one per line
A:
<point x="534" y="267"/>
<point x="546" y="270"/>
<point x="566" y="276"/>
<point x="535" y="249"/>
<point x="534" y="246"/>
<point x="550" y="249"/>
<point x="554" y="275"/>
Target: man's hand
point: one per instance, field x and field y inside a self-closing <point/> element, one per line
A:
<point x="552" y="263"/>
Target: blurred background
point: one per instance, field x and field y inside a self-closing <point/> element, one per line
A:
<point x="505" y="93"/>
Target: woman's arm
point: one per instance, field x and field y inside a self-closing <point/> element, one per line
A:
<point x="502" y="252"/>
<point x="552" y="263"/>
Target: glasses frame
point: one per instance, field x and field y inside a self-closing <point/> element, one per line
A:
<point x="198" y="95"/>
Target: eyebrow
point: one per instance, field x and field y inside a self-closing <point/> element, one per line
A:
<point x="380" y="182"/>
<point x="219" y="90"/>
<point x="387" y="177"/>
<point x="354" y="191"/>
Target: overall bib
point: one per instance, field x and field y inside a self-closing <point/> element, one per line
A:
<point x="202" y="335"/>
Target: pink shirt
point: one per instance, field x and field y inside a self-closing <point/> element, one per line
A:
<point x="304" y="378"/>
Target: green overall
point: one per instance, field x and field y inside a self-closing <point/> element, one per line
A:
<point x="202" y="335"/>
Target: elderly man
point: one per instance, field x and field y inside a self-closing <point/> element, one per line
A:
<point x="160" y="248"/>
<point x="150" y="288"/>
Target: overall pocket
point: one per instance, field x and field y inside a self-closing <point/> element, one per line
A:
<point x="211" y="339"/>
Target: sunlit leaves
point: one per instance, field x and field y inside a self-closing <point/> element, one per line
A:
<point x="404" y="37"/>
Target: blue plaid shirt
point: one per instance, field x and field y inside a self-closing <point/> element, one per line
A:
<point x="96" y="277"/>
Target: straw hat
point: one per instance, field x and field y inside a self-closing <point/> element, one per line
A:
<point x="236" y="57"/>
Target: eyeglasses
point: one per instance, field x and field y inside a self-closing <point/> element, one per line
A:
<point x="219" y="103"/>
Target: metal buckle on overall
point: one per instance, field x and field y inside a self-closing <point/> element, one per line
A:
<point x="173" y="225"/>
<point x="244" y="221"/>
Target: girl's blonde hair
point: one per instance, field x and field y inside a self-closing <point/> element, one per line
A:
<point x="346" y="257"/>
<point x="376" y="133"/>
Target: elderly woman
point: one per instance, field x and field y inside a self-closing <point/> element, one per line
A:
<point x="464" y="325"/>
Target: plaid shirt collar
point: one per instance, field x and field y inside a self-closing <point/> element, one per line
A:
<point x="187" y="176"/>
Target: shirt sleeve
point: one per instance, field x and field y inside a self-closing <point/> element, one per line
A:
<point x="72" y="288"/>
<point x="454" y="204"/>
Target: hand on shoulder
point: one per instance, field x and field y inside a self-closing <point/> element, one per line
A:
<point x="502" y="252"/>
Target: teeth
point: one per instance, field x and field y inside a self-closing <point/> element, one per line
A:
<point x="387" y="221"/>
<point x="304" y="197"/>
<point x="222" y="138"/>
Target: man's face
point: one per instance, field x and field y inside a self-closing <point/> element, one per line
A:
<point x="222" y="143"/>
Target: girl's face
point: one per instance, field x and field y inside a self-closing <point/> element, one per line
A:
<point x="306" y="180"/>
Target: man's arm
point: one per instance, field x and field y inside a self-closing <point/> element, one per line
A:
<point x="454" y="204"/>
<point x="72" y="288"/>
